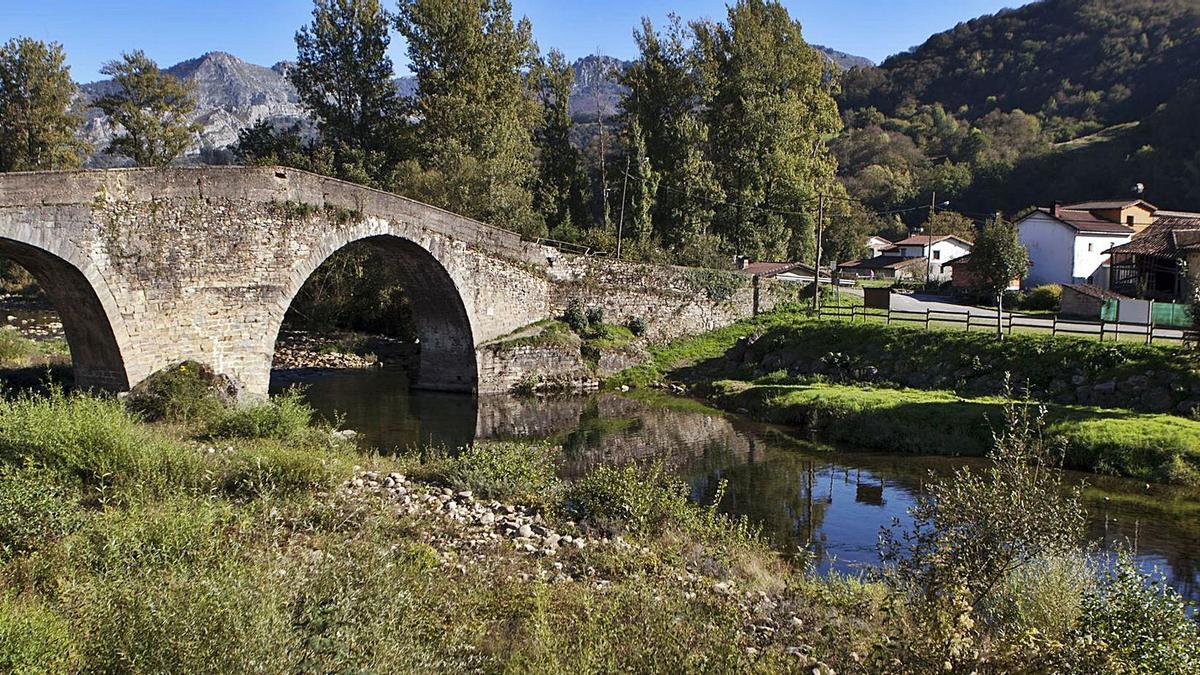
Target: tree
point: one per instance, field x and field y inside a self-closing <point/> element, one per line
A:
<point x="344" y="77"/>
<point x="37" y="129"/>
<point x="952" y="223"/>
<point x="150" y="110"/>
<point x="996" y="259"/>
<point x="847" y="232"/>
<point x="476" y="115"/>
<point x="662" y="101"/>
<point x="770" y="110"/>
<point x="561" y="182"/>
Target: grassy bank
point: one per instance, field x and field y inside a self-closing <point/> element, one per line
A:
<point x="754" y="378"/>
<point x="1151" y="447"/>
<point x="227" y="539"/>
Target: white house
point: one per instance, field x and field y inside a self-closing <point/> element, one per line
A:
<point x="877" y="245"/>
<point x="938" y="250"/>
<point x="1068" y="244"/>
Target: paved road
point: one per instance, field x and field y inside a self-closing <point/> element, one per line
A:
<point x="918" y="302"/>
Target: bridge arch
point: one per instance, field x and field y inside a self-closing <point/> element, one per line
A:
<point x="444" y="323"/>
<point x="86" y="307"/>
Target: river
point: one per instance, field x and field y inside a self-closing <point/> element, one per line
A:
<point x="804" y="495"/>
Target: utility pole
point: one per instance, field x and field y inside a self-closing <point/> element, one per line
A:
<point x="621" y="221"/>
<point x="817" y="265"/>
<point x="929" y="250"/>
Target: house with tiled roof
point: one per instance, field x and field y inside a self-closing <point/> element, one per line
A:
<point x="1069" y="244"/>
<point x="1160" y="262"/>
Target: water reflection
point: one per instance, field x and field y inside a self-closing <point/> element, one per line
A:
<point x="802" y="495"/>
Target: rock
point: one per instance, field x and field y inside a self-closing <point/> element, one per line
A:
<point x="525" y="531"/>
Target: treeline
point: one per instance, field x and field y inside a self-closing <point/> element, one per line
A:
<point x="716" y="148"/>
<point x="1057" y="100"/>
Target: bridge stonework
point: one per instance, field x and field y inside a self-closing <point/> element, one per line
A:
<point x="150" y="267"/>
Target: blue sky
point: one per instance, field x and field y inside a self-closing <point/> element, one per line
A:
<point x="261" y="31"/>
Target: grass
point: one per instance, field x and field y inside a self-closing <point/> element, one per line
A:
<point x="19" y="351"/>
<point x="934" y="419"/>
<point x="145" y="547"/>
<point x="1151" y="447"/>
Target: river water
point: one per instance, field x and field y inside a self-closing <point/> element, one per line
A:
<point x="830" y="501"/>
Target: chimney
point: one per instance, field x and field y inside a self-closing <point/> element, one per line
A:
<point x="741" y="261"/>
<point x="1057" y="209"/>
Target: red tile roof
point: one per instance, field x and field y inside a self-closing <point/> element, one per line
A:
<point x="1084" y="221"/>
<point x="923" y="240"/>
<point x="1165" y="238"/>
<point x="1106" y="204"/>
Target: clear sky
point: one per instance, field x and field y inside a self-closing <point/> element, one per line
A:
<point x="261" y="31"/>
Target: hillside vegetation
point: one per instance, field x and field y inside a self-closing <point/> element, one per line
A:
<point x="986" y="113"/>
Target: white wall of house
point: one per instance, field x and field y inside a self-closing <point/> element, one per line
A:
<point x="1059" y="254"/>
<point x="1091" y="263"/>
<point x="1051" y="247"/>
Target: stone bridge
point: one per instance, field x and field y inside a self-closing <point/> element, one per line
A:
<point x="150" y="267"/>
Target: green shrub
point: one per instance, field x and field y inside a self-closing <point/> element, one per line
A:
<point x="595" y="317"/>
<point x="94" y="439"/>
<point x="33" y="639"/>
<point x="1043" y="298"/>
<point x="504" y="470"/>
<point x="270" y="467"/>
<point x="35" y="510"/>
<point x="1134" y="623"/>
<point x="13" y="347"/>
<point x="629" y="498"/>
<point x="636" y="325"/>
<point x="575" y="317"/>
<point x="286" y="417"/>
<point x="186" y="392"/>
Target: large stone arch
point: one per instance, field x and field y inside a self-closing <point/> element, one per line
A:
<point x="442" y="312"/>
<point x="93" y="325"/>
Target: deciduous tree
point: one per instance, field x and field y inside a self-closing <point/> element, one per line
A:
<point x="37" y="128"/>
<point x="344" y="77"/>
<point x="996" y="259"/>
<point x="150" y="110"/>
<point x="771" y="110"/>
<point x="560" y="195"/>
<point x="475" y="108"/>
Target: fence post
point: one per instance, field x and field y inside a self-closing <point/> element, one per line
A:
<point x="1150" y="325"/>
<point x="889" y="316"/>
<point x="926" y="319"/>
<point x="1102" y="330"/>
<point x="1054" y="326"/>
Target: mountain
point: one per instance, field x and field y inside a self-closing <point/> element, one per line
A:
<point x="1100" y="61"/>
<point x="843" y="60"/>
<point x="1058" y="100"/>
<point x="230" y="95"/>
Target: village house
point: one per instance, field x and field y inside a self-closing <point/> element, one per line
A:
<point x="1161" y="262"/>
<point x="781" y="271"/>
<point x="1069" y="244"/>
<point x="878" y="245"/>
<point x="963" y="278"/>
<point x="936" y="251"/>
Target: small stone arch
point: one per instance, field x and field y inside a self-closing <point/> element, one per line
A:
<point x="444" y="322"/>
<point x="94" y="330"/>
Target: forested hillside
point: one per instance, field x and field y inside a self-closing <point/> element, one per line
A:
<point x="1059" y="99"/>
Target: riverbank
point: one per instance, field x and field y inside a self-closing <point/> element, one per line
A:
<point x="246" y="539"/>
<point x="823" y="377"/>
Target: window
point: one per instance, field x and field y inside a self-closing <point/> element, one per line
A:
<point x="937" y="255"/>
<point x="1129" y="220"/>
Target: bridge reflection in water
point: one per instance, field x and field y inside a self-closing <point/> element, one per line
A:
<point x="802" y="494"/>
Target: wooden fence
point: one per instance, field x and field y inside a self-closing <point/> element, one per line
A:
<point x="1010" y="320"/>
